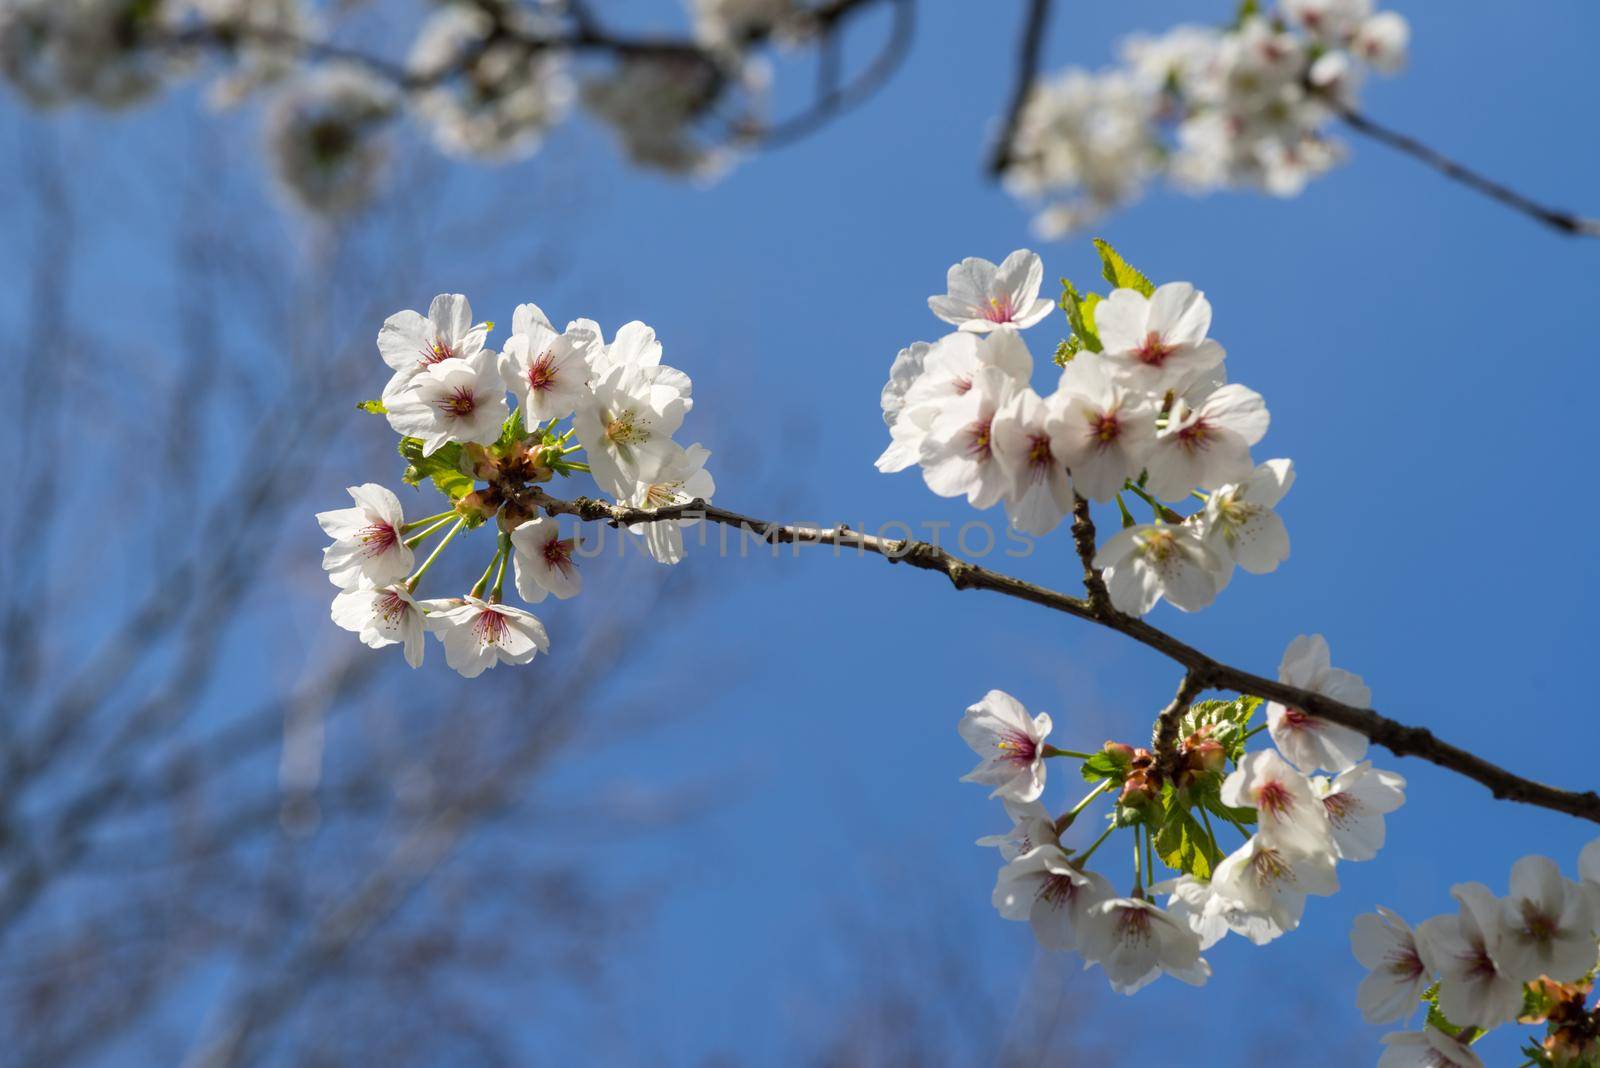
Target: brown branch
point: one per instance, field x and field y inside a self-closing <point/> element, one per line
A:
<point x="1203" y="671"/>
<point x="1030" y="50"/>
<point x="1565" y="222"/>
<point x="1164" y="739"/>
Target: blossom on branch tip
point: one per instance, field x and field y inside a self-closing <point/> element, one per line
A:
<point x="543" y="561"/>
<point x="1547" y="923"/>
<point x="548" y="372"/>
<point x="1387" y="947"/>
<point x="1011" y="744"/>
<point x="453" y="400"/>
<point x="1041" y="490"/>
<point x="1144" y="564"/>
<point x="957" y="454"/>
<point x="1309" y="741"/>
<point x="1428" y="1048"/>
<point x="1206" y="445"/>
<point x="1463" y="950"/>
<point x="368" y="543"/>
<point x="1031" y="826"/>
<point x="477" y="635"/>
<point x="1290" y="815"/>
<point x="410" y="342"/>
<point x="382" y="615"/>
<point x="1271" y="880"/>
<point x="982" y="297"/>
<point x="689" y="481"/>
<point x="1239" y="523"/>
<point x="626" y="425"/>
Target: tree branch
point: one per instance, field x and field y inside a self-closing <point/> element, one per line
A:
<point x="1164" y="739"/>
<point x="1203" y="672"/>
<point x="1029" y="52"/>
<point x="1564" y="221"/>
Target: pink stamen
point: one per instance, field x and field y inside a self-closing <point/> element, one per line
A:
<point x="439" y="351"/>
<point x="979" y="447"/>
<point x="490" y="627"/>
<point x="1105" y="428"/>
<point x="1017" y="748"/>
<point x="391" y="606"/>
<point x="1154" y="351"/>
<point x="1195" y="437"/>
<point x="377" y="538"/>
<point x="558" y="555"/>
<point x="542" y="375"/>
<point x="460" y="403"/>
<point x="999" y="310"/>
<point x="1274" y="799"/>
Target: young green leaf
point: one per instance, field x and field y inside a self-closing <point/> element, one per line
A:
<point x="375" y="407"/>
<point x="1080" y="314"/>
<point x="443" y="467"/>
<point x="1119" y="272"/>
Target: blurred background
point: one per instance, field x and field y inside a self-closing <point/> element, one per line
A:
<point x="720" y="824"/>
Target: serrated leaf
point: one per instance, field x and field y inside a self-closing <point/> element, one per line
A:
<point x="1119" y="272"/>
<point x="1184" y="845"/>
<point x="511" y="432"/>
<point x="1080" y="314"/>
<point x="1101" y="766"/>
<point x="375" y="407"/>
<point x="1067" y="350"/>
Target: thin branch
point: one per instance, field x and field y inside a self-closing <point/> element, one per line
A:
<point x="1564" y="221"/>
<point x="1203" y="671"/>
<point x="1029" y="53"/>
<point x="1164" y="739"/>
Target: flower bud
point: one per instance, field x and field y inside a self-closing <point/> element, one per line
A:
<point x="479" y="462"/>
<point x="1121" y="754"/>
<point x="479" y="505"/>
<point x="514" y="513"/>
<point x="1139" y="792"/>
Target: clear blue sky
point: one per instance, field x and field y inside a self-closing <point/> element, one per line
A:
<point x="1428" y="358"/>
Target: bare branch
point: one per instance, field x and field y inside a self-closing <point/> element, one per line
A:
<point x="1203" y="671"/>
<point x="1029" y="52"/>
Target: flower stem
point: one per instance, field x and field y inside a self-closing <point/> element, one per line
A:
<point x="411" y="583"/>
<point x="500" y="577"/>
<point x="1105" y="784"/>
<point x="1138" y="870"/>
<point x="1052" y="751"/>
<point x="1162" y="512"/>
<point x="437" y="522"/>
<point x="1205" y="818"/>
<point x="483" y="581"/>
<point x="414" y="524"/>
<point x="1127" y="516"/>
<point x="1087" y="853"/>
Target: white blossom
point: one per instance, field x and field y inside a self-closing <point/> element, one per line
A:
<point x="1041" y="490"/>
<point x="958" y="457"/>
<point x="1381" y="42"/>
<point x="1239" y="523"/>
<point x="1100" y="429"/>
<point x="1387" y="947"/>
<point x="368" y="542"/>
<point x="690" y="481"/>
<point x="1547" y="924"/>
<point x="543" y="561"/>
<point x="1463" y="950"/>
<point x="1330" y="21"/>
<point x="478" y="635"/>
<point x="323" y="137"/>
<point x="453" y="400"/>
<point x="1144" y="564"/>
<point x="548" y="372"/>
<point x="410" y="343"/>
<point x="1158" y="342"/>
<point x="1011" y="744"/>
<point x="1206" y="445"/>
<point x="982" y="297"/>
<point x="382" y="615"/>
<point x="1309" y="741"/>
<point x="907" y="428"/>
<point x="1134" y="941"/>
<point x="1196" y="903"/>
<point x="1428" y="1048"/>
<point x="626" y="425"/>
<point x="1356" y="802"/>
<point x="1042" y="887"/>
<point x="1271" y="880"/>
<point x="1291" y="816"/>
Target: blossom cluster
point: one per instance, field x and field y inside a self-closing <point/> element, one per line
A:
<point x="484" y="80"/>
<point x="1301" y="807"/>
<point x="1142" y="407"/>
<point x="1246" y="106"/>
<point x="1529" y="956"/>
<point x="447" y="398"/>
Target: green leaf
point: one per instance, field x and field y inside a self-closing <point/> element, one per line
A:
<point x="443" y="467"/>
<point x="1184" y="845"/>
<point x="1067" y="350"/>
<point x="1119" y="272"/>
<point x="1102" y="766"/>
<point x="375" y="407"/>
<point x="511" y="432"/>
<point x="1226" y="721"/>
<point x="1080" y="314"/>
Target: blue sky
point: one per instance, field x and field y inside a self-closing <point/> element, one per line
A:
<point x="1427" y="357"/>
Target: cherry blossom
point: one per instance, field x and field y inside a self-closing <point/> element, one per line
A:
<point x="1041" y="489"/>
<point x="1356" y="802"/>
<point x="958" y="457"/>
<point x="368" y="543"/>
<point x="1031" y="826"/>
<point x="453" y="400"/>
<point x="1271" y="880"/>
<point x="626" y="425"/>
<point x="478" y="635"/>
<point x="1144" y="564"/>
<point x="1157" y="342"/>
<point x="1291" y="816"/>
<point x="1387" y="947"/>
<point x="1101" y="430"/>
<point x="543" y="561"/>
<point x="1428" y="1048"/>
<point x="1463" y="950"/>
<point x="1548" y="924"/>
<point x="1011" y="744"/>
<point x="1206" y="445"/>
<point x="1309" y="741"/>
<point x="1041" y="886"/>
<point x="548" y="372"/>
<point x="983" y="297"/>
<point x="1135" y="941"/>
<point x="1239" y="523"/>
<point x="382" y="615"/>
<point x="410" y="343"/>
<point x="690" y="481"/>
